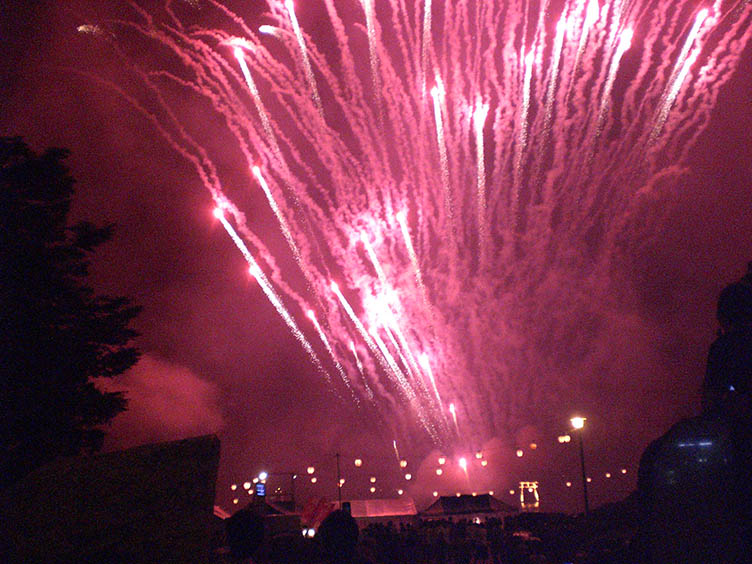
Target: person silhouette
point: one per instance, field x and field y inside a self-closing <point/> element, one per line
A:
<point x="694" y="481"/>
<point x="338" y="534"/>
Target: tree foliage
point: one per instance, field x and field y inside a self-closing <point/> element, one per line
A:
<point x="57" y="337"/>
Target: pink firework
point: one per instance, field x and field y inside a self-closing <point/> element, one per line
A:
<point x="450" y="180"/>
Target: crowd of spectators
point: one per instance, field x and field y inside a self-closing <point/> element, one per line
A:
<point x="555" y="539"/>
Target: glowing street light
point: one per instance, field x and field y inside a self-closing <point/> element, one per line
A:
<point x="358" y="462"/>
<point x="263" y="476"/>
<point x="310" y="470"/>
<point x="578" y="423"/>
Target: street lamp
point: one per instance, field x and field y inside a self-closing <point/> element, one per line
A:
<point x="578" y="423"/>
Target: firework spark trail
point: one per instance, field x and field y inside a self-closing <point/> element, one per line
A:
<point x="453" y="411"/>
<point x="407" y="389"/>
<point x="304" y="57"/>
<point x="312" y="316"/>
<point x="373" y="53"/>
<point x="359" y="364"/>
<point x="378" y="348"/>
<point x="402" y="220"/>
<point x="461" y="280"/>
<point x="281" y="218"/>
<point x="479" y="121"/>
<point x="271" y="295"/>
<point x="426" y="364"/>
<point x="625" y="43"/>
<point x="437" y="93"/>
<point x="591" y="17"/>
<point x="683" y="63"/>
<point x="550" y="97"/>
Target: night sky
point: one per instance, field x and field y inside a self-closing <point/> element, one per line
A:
<point x="218" y="358"/>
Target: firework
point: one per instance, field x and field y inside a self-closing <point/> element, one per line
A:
<point x="453" y="165"/>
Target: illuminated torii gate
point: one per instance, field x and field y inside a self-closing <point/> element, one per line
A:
<point x="530" y="488"/>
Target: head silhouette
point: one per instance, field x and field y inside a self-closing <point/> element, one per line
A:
<point x="735" y="307"/>
<point x="338" y="535"/>
<point x="245" y="532"/>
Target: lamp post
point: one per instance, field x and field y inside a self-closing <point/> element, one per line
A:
<point x="578" y="423"/>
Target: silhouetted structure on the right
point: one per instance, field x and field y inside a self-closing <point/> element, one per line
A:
<point x="694" y="481"/>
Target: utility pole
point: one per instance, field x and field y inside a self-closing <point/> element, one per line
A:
<point x="584" y="475"/>
<point x="339" y="484"/>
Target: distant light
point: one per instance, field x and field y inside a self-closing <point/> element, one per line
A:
<point x="235" y="501"/>
<point x="577" y="422"/>
<point x="311" y="533"/>
<point x="608" y="474"/>
<point x="255" y="480"/>
<point x="234" y="487"/>
<point x="564" y="438"/>
<point x="479" y="455"/>
<point x="511" y="492"/>
<point x="589" y="480"/>
<point x="569" y="484"/>
<point x="341" y="481"/>
<point x="294" y="476"/>
<point x="373" y="479"/>
<point x="358" y="462"/>
<point x="310" y="469"/>
<point x="463" y="463"/>
<point x="442" y="460"/>
<point x="490" y="492"/>
<point x="246" y="485"/>
<point x="623" y="470"/>
<point x="314" y="480"/>
<point x="475" y="494"/>
<point x="435" y="494"/>
<point x="439" y="471"/>
<point x="484" y="463"/>
<point x="263" y="476"/>
<point x="373" y="489"/>
<point x="519" y="453"/>
<point x="458" y="494"/>
<point x="408" y="476"/>
<point x="400" y="492"/>
<point x="403" y="463"/>
<point x="533" y="446"/>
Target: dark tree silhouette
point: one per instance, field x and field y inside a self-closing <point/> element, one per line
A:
<point x="56" y="335"/>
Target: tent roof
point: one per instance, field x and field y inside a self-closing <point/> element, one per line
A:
<point x="466" y="504"/>
<point x="398" y="507"/>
